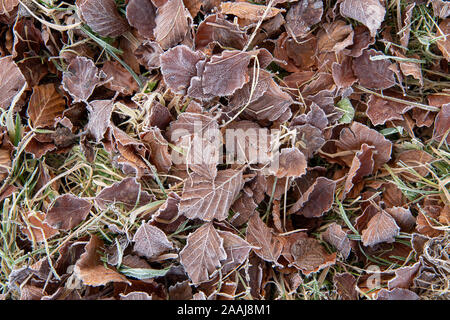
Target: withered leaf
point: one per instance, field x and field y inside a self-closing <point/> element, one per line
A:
<point x="135" y="295"/>
<point x="334" y="37"/>
<point x="243" y="207"/>
<point x="307" y="254"/>
<point x="11" y="83"/>
<point x="441" y="8"/>
<point x="292" y="163"/>
<point x="202" y="254"/>
<point x="370" y="13"/>
<point x="150" y="241"/>
<point x="261" y="236"/>
<point x="302" y="15"/>
<point x="380" y="110"/>
<point x="127" y="192"/>
<point x="417" y="160"/>
<point x="441" y="124"/>
<point x="99" y="118"/>
<point x="6" y="6"/>
<point x="102" y="16"/>
<point x="81" y="78"/>
<point x="148" y="54"/>
<point x="362" y="165"/>
<point x="404" y="277"/>
<point x="397" y="294"/>
<point x="337" y="237"/>
<point x="317" y="200"/>
<point x="444" y="40"/>
<point x="45" y="105"/>
<point x="381" y="228"/>
<point x="209" y="199"/>
<point x="236" y="248"/>
<point x="172" y="23"/>
<point x="248" y="11"/>
<point x="90" y="269"/>
<point x="225" y="73"/>
<point x="373" y="74"/>
<point x="141" y="14"/>
<point x="37" y="228"/>
<point x="346" y="286"/>
<point x="159" y="149"/>
<point x="118" y="79"/>
<point x="403" y="217"/>
<point x="178" y="66"/>
<point x="67" y="211"/>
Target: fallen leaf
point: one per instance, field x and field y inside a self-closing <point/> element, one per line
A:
<point x="118" y="79"/>
<point x="148" y="54"/>
<point x="45" y="105"/>
<point x="236" y="248"/>
<point x="36" y="229"/>
<point x="441" y="124"/>
<point x="346" y="286"/>
<point x="260" y="236"/>
<point x="362" y="165"/>
<point x="67" y="212"/>
<point x="397" y="294"/>
<point x="291" y="163"/>
<point x="380" y="110"/>
<point x="444" y="41"/>
<point x="6" y="6"/>
<point x="90" y="269"/>
<point x="337" y="237"/>
<point x="141" y="14"/>
<point x="302" y="15"/>
<point x="150" y="241"/>
<point x="380" y="228"/>
<point x="404" y="277"/>
<point x="248" y="11"/>
<point x="100" y="112"/>
<point x="172" y="23"/>
<point x="159" y="149"/>
<point x="370" y="13"/>
<point x="374" y="74"/>
<point x="12" y="81"/>
<point x="202" y="254"/>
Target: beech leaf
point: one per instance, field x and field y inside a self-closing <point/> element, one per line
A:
<point x="67" y="211"/>
<point x="150" y="241"/>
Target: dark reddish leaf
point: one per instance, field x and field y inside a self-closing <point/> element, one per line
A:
<point x="45" y="105"/>
<point x="67" y="212"/>
<point x="172" y="23"/>
<point x="141" y="14"/>
<point x="373" y="74"/>
<point x="346" y="286"/>
<point x="380" y="110"/>
<point x="159" y="149"/>
<point x="268" y="246"/>
<point x="362" y="165"/>
<point x="380" y="228"/>
<point x="337" y="237"/>
<point x="118" y="79"/>
<point x="370" y="13"/>
<point x="150" y="241"/>
<point x="302" y="15"/>
<point x="12" y="81"/>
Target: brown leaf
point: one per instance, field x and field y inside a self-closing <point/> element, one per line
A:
<point x="248" y="11"/>
<point x="243" y="207"/>
<point x="102" y="16"/>
<point x="172" y="23"/>
<point x="67" y="212"/>
<point x="292" y="163"/>
<point x="12" y="81"/>
<point x="343" y="74"/>
<point x="150" y="241"/>
<point x="216" y="29"/>
<point x="148" y="54"/>
<point x="225" y="73"/>
<point x="262" y="237"/>
<point x="135" y="295"/>
<point x="159" y="149"/>
<point x="118" y="79"/>
<point x="381" y="228"/>
<point x="334" y="37"/>
<point x="99" y="118"/>
<point x="404" y="277"/>
<point x="397" y="294"/>
<point x="346" y="286"/>
<point x="178" y="67"/>
<point x="337" y="237"/>
<point x="441" y="124"/>
<point x="317" y="200"/>
<point x="302" y="15"/>
<point x="373" y="74"/>
<point x="307" y="254"/>
<point x="354" y="137"/>
<point x="362" y="165"/>
<point x="6" y="6"/>
<point x="444" y="41"/>
<point x="209" y="199"/>
<point x="380" y="110"/>
<point x="90" y="269"/>
<point x="370" y="13"/>
<point x="36" y="228"/>
<point x="236" y="248"/>
<point x="141" y="14"/>
<point x="202" y="254"/>
<point x="361" y="41"/>
<point x="441" y="8"/>
<point x="417" y="160"/>
<point x="127" y="192"/>
<point x="180" y="291"/>
<point x="81" y="78"/>
<point x="45" y="105"/>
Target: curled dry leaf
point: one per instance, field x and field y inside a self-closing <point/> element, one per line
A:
<point x="248" y="11"/>
<point x="404" y="277"/>
<point x="334" y="37"/>
<point x="268" y="246"/>
<point x="354" y="137"/>
<point x="380" y="110"/>
<point x="11" y="83"/>
<point x="67" y="212"/>
<point x="243" y="207"/>
<point x="141" y="14"/>
<point x="307" y="254"/>
<point x="159" y="149"/>
<point x="216" y="29"/>
<point x="292" y="163"/>
<point x="202" y="254"/>
<point x="417" y="160"/>
<point x="370" y="13"/>
<point x="127" y="192"/>
<point x="317" y="200"/>
<point x="337" y="237"/>
<point x="148" y="54"/>
<point x="209" y="199"/>
<point x="45" y="105"/>
<point x="374" y="74"/>
<point x="362" y="165"/>
<point x="302" y="15"/>
<point x="441" y="8"/>
<point x="403" y="217"/>
<point x="102" y="16"/>
<point x="444" y="40"/>
<point x="150" y="241"/>
<point x="118" y="79"/>
<point x="6" y="6"/>
<point x="178" y="66"/>
<point x="380" y="228"/>
<point x="172" y="23"/>
<point x="37" y="229"/>
<point x="441" y="124"/>
<point x="90" y="269"/>
<point x="99" y="118"/>
<point x="81" y="78"/>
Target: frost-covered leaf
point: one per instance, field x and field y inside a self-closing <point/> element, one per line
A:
<point x="99" y="118"/>
<point x="302" y="15"/>
<point x="374" y="74"/>
<point x="268" y="246"/>
<point x="12" y="81"/>
<point x="202" y="254"/>
<point x="67" y="211"/>
<point x="172" y="23"/>
<point x="141" y="14"/>
<point x="381" y="228"/>
<point x="369" y="12"/>
<point x="45" y="105"/>
<point x="236" y="248"/>
<point x="337" y="237"/>
<point x="150" y="241"/>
